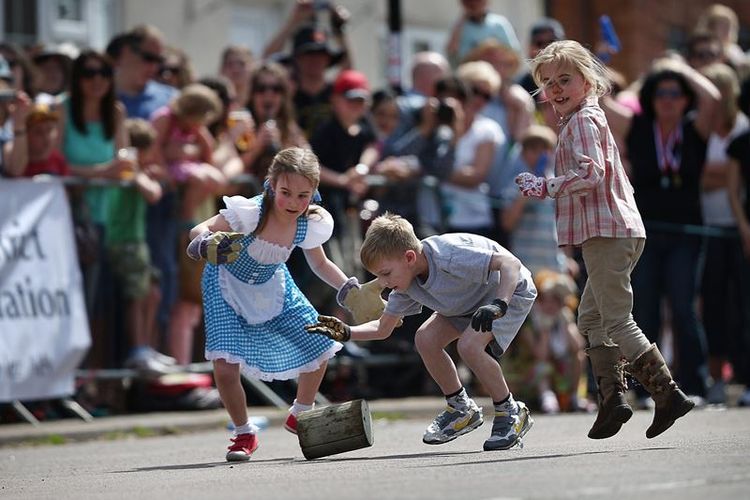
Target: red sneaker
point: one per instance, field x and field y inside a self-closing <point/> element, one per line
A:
<point x="291" y="424"/>
<point x="242" y="447"/>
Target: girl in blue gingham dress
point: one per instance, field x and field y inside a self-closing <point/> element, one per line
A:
<point x="254" y="312"/>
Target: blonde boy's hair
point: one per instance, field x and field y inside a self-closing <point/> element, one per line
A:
<point x="570" y="52"/>
<point x="479" y="71"/>
<point x="389" y="235"/>
<point x="538" y="135"/>
<point x="142" y="133"/>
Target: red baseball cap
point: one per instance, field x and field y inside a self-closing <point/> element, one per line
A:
<point x="352" y="85"/>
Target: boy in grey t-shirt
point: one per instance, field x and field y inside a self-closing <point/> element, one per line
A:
<point x="480" y="293"/>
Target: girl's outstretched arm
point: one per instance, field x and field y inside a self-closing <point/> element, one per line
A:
<point x="324" y="268"/>
<point x="214" y="224"/>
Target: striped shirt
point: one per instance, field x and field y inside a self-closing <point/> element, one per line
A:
<point x="594" y="195"/>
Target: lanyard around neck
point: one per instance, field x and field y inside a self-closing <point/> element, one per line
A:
<point x="669" y="152"/>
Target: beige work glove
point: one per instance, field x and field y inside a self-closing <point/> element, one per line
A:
<point x="364" y="302"/>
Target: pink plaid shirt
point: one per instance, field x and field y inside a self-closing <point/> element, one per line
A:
<point x="594" y="195"/>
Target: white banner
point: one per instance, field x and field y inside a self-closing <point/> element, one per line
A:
<point x="44" y="331"/>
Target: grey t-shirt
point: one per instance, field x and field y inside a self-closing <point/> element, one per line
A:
<point x="459" y="278"/>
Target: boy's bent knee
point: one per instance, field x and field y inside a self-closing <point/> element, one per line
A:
<point x="472" y="344"/>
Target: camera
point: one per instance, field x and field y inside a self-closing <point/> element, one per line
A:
<point x="444" y="114"/>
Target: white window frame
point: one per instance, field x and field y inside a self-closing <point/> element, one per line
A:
<point x="254" y="26"/>
<point x="410" y="35"/>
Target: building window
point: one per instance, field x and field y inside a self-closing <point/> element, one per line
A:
<point x="20" y="22"/>
<point x="70" y="10"/>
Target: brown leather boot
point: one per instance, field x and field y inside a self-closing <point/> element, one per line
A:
<point x="671" y="403"/>
<point x="614" y="409"/>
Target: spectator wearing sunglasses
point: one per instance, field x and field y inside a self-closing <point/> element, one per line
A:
<point x="236" y="65"/>
<point x="176" y="70"/>
<point x="666" y="145"/>
<point x="92" y="125"/>
<point x="478" y="138"/>
<point x="137" y="56"/>
<point x="14" y="108"/>
<point x="272" y="110"/>
<point x="21" y="67"/>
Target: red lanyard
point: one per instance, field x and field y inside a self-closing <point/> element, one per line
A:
<point x="669" y="153"/>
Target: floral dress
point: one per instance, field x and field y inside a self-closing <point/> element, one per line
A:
<point x="254" y="312"/>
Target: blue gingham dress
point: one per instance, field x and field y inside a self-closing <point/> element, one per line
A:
<point x="254" y="312"/>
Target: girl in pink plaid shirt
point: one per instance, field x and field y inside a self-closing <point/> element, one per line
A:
<point x="596" y="210"/>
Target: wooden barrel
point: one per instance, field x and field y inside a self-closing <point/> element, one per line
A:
<point x="335" y="429"/>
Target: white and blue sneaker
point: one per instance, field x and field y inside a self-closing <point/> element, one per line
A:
<point x="509" y="427"/>
<point x="453" y="422"/>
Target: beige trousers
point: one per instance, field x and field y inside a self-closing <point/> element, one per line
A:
<point x="605" y="315"/>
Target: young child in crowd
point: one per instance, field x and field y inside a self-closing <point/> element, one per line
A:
<point x="186" y="145"/>
<point x="254" y="312"/>
<point x="43" y="137"/>
<point x="480" y="293"/>
<point x="128" y="254"/>
<point x="529" y="222"/>
<point x="596" y="210"/>
<point x="552" y="347"/>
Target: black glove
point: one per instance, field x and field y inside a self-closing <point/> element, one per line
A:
<point x="218" y="248"/>
<point x="331" y="327"/>
<point x="485" y="315"/>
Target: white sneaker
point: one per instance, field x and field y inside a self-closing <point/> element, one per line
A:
<point x="509" y="428"/>
<point x="143" y="361"/>
<point x="161" y="357"/>
<point x="548" y="402"/>
<point x="453" y="422"/>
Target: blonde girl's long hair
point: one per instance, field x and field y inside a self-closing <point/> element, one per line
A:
<point x="293" y="160"/>
<point x="570" y="52"/>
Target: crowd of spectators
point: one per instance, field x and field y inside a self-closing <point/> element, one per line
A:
<point x="165" y="146"/>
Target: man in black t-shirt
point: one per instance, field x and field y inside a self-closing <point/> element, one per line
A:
<point x="344" y="145"/>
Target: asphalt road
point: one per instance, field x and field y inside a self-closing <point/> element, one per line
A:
<point x="705" y="456"/>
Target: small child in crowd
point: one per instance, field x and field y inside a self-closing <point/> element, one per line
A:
<point x="186" y="145"/>
<point x="254" y="312"/>
<point x="554" y="345"/>
<point x="531" y="222"/>
<point x="596" y="210"/>
<point x="480" y="293"/>
<point x="43" y="138"/>
<point x="128" y="252"/>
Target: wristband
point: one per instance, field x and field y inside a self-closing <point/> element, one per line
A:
<point x="501" y="304"/>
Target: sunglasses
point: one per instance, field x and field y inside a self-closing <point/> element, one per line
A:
<point x="104" y="72"/>
<point x="476" y="91"/>
<point x="668" y="94"/>
<point x="276" y="89"/>
<point x="150" y="57"/>
<point x="164" y="70"/>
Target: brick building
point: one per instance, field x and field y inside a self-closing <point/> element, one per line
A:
<point x="646" y="28"/>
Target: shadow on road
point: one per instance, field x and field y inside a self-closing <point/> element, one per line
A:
<point x="394" y="457"/>
<point x="207" y="465"/>
<point x="543" y="457"/>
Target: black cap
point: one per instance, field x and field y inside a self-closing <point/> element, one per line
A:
<point x="309" y="39"/>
